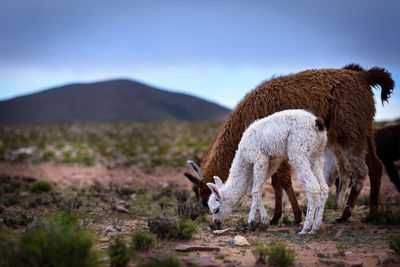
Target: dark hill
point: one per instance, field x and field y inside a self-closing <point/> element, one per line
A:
<point x="107" y="101"/>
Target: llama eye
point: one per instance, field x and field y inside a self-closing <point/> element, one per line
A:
<point x="216" y="210"/>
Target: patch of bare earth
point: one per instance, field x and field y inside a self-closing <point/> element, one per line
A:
<point x="351" y="244"/>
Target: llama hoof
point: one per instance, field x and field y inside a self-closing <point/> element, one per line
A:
<point x="302" y="232"/>
<point x="341" y="220"/>
<point x="312" y="232"/>
<point x="274" y="221"/>
<point x="264" y="221"/>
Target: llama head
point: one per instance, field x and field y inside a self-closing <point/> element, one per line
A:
<point x="199" y="187"/>
<point x="218" y="206"/>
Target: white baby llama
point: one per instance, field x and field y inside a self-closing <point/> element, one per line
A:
<point x="296" y="135"/>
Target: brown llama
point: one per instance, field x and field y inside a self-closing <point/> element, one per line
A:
<point x="341" y="97"/>
<point x="387" y="140"/>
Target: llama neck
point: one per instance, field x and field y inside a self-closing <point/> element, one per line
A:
<point x="239" y="179"/>
<point x="222" y="152"/>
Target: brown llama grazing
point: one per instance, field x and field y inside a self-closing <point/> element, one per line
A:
<point x="387" y="140"/>
<point x="341" y="97"/>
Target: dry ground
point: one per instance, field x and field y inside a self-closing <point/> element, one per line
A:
<point x="363" y="243"/>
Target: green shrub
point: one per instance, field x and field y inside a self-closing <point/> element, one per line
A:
<point x="84" y="159"/>
<point x="260" y="251"/>
<point x="142" y="240"/>
<point x="119" y="253"/>
<point x="394" y="243"/>
<point x="52" y="245"/>
<point x="340" y="249"/>
<point x="65" y="218"/>
<point x="383" y="216"/>
<point x="164" y="227"/>
<point x="190" y="210"/>
<point x="186" y="229"/>
<point x="280" y="255"/>
<point x="40" y="186"/>
<point x="166" y="262"/>
<point x="11" y="200"/>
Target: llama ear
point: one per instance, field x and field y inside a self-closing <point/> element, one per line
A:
<point x="218" y="182"/>
<point x="196" y="181"/>
<point x="195" y="167"/>
<point x="214" y="190"/>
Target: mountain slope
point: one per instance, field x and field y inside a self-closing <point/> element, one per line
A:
<point x="107" y="101"/>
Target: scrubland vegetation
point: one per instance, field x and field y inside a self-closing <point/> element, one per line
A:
<point x="123" y="224"/>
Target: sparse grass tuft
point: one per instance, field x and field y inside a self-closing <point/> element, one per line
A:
<point x="164" y="227"/>
<point x="394" y="243"/>
<point x="190" y="210"/>
<point x="280" y="254"/>
<point x="119" y="253"/>
<point x="340" y="249"/>
<point x="40" y="186"/>
<point x="243" y="226"/>
<point x="54" y="244"/>
<point x="383" y="216"/>
<point x="142" y="240"/>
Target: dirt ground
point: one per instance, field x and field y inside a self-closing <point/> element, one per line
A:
<point x="351" y="244"/>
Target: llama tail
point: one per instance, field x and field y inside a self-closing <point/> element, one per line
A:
<point x="380" y="76"/>
<point x="376" y="76"/>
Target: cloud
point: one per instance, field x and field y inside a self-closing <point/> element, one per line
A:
<point x="214" y="49"/>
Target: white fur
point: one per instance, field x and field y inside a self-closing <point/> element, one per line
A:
<point x="289" y="134"/>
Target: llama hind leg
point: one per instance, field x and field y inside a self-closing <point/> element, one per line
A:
<point x="317" y="167"/>
<point x="306" y="175"/>
<point x="359" y="172"/>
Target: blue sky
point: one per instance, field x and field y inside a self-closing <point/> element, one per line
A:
<point x="218" y="50"/>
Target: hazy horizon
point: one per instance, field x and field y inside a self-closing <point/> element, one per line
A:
<point x="211" y="49"/>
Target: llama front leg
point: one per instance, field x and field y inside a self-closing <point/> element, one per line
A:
<point x="259" y="176"/>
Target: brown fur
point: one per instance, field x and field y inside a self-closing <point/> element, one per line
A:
<point x="342" y="98"/>
<point x="387" y="141"/>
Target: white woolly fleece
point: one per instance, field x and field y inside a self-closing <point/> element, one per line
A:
<point x="290" y="134"/>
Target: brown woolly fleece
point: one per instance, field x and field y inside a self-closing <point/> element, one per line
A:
<point x="342" y="98"/>
<point x="387" y="141"/>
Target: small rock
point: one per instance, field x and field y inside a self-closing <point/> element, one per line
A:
<point x="104" y="239"/>
<point x="355" y="264"/>
<point x="188" y="248"/>
<point x="221" y="232"/>
<point x="241" y="241"/>
<point x="339" y="234"/>
<point x="110" y="228"/>
<point x="348" y="253"/>
<point x="337" y="263"/>
<point x="201" y="262"/>
<point x="231" y="243"/>
<point x="23" y="194"/>
<point x="121" y="208"/>
<point x="112" y="233"/>
<point x="133" y="196"/>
